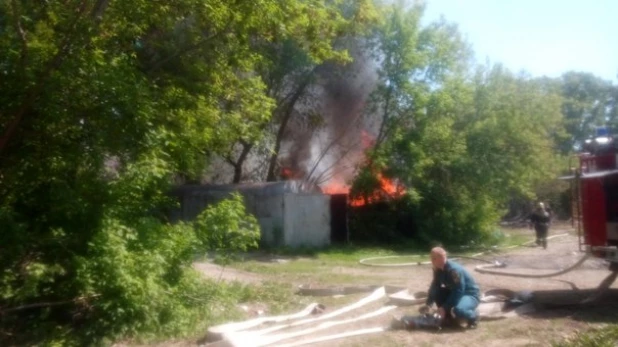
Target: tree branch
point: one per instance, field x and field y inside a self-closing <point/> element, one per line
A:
<point x="286" y="110"/>
<point x="47" y="304"/>
<point x="98" y="9"/>
<point x="34" y="92"/>
<point x="22" y="36"/>
<point x="332" y="143"/>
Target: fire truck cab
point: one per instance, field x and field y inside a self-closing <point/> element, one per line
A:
<point x="595" y="197"/>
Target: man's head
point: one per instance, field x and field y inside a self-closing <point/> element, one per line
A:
<point x="438" y="257"/>
<point x="541" y="206"/>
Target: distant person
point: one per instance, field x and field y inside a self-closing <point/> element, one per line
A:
<point x="540" y="219"/>
<point x="453" y="290"/>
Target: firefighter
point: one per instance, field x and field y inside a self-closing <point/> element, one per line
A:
<point x="540" y="219"/>
<point x="453" y="290"/>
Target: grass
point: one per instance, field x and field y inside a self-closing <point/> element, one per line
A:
<point x="302" y="270"/>
<point x="335" y="266"/>
<point x="310" y="261"/>
<point x="603" y="337"/>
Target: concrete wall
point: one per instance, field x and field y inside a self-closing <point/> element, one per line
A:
<point x="268" y="210"/>
<point x="306" y="220"/>
<point x="286" y="218"/>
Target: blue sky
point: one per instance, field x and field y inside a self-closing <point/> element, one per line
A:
<point x="543" y="37"/>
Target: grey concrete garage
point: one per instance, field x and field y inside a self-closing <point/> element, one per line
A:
<point x="290" y="213"/>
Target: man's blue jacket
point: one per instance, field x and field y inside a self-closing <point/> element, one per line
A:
<point x="456" y="280"/>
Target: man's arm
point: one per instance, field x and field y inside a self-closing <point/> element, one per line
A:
<point x="459" y="284"/>
<point x="531" y="220"/>
<point x="433" y="290"/>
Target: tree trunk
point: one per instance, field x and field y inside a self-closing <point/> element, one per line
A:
<point x="285" y="111"/>
<point x="246" y="148"/>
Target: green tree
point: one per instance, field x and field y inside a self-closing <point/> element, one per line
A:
<point x="613" y="108"/>
<point x="586" y="106"/>
<point x="291" y="71"/>
<point x="413" y="60"/>
<point x="414" y="64"/>
<point x="462" y="146"/>
<point x="101" y="104"/>
<point x="511" y="132"/>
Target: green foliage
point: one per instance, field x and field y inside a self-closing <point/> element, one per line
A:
<point x="414" y="60"/>
<point x="129" y="278"/>
<point x="226" y="228"/>
<point x="289" y="66"/>
<point x="139" y="283"/>
<point x="418" y="142"/>
<point x="462" y="147"/>
<point x="585" y="106"/>
<point x="474" y="149"/>
<point x="102" y="105"/>
<point x="604" y="337"/>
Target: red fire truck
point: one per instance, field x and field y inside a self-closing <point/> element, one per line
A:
<point x="595" y="198"/>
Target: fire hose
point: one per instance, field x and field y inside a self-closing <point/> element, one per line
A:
<point x="235" y="334"/>
<point x="239" y="335"/>
<point x="475" y="257"/>
<point x="484" y="269"/>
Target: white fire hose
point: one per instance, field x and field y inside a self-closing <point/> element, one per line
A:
<point x="236" y="334"/>
<point x="368" y="261"/>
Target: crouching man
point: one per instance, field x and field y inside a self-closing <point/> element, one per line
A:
<point x="453" y="290"/>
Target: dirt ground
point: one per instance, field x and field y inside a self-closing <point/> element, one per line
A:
<point x="551" y="323"/>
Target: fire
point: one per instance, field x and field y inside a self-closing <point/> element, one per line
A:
<point x="286" y="173"/>
<point x="336" y="188"/>
<point x="387" y="190"/>
<point x="367" y="141"/>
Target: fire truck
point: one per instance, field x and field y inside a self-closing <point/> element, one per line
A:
<point x="594" y="192"/>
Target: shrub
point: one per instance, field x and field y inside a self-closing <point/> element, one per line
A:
<point x="226" y="228"/>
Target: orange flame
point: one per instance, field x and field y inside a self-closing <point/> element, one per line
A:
<point x="367" y="141"/>
<point x="286" y="173"/>
<point x="336" y="188"/>
<point x="387" y="190"/>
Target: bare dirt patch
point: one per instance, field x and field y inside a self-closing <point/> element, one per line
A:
<point x="218" y="272"/>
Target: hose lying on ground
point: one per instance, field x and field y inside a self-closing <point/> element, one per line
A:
<point x="239" y="335"/>
<point x="485" y="269"/>
<point x="475" y="257"/>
